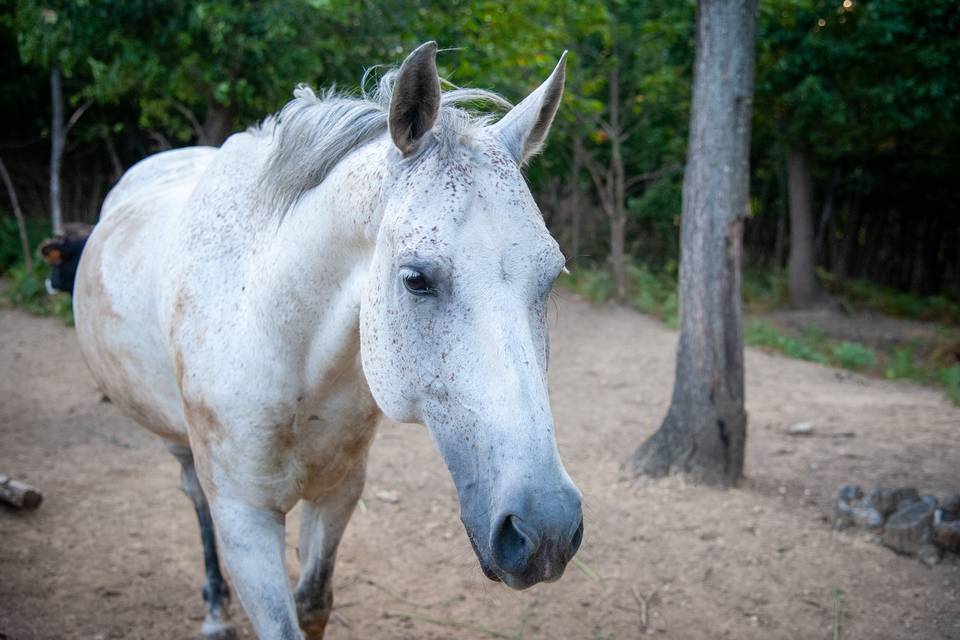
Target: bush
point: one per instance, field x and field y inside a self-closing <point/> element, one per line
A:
<point x="902" y="363"/>
<point x="897" y="303"/>
<point x="653" y="293"/>
<point x="851" y="355"/>
<point x="10" y="252"/>
<point x="764" y="289"/>
<point x="28" y="291"/>
<point x="950" y="379"/>
<point x="761" y="334"/>
<point x="595" y="285"/>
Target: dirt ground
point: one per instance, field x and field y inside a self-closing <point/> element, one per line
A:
<point x="113" y="551"/>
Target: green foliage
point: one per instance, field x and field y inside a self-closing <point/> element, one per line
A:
<point x="653" y="292"/>
<point x="852" y="355"/>
<point x="648" y="291"/>
<point x="10" y="251"/>
<point x="950" y="378"/>
<point x="869" y="295"/>
<point x="762" y="334"/>
<point x="26" y="289"/>
<point x="764" y="289"/>
<point x="595" y="285"/>
<point x="902" y="363"/>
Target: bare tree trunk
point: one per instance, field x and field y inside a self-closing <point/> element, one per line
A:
<point x="217" y="125"/>
<point x="705" y="429"/>
<point x="115" y="163"/>
<point x="56" y="149"/>
<point x="18" y="214"/>
<point x="575" y="200"/>
<point x="618" y="214"/>
<point x="826" y="214"/>
<point x="780" y="242"/>
<point x="804" y="291"/>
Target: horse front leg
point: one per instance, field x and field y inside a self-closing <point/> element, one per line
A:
<point x="322" y="524"/>
<point x="252" y="545"/>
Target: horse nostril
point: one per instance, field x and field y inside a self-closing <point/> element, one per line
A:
<point x="575" y="541"/>
<point x="513" y="546"/>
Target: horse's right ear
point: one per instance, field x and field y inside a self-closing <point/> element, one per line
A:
<point x="415" y="102"/>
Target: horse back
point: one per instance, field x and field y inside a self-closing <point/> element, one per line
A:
<point x="117" y="305"/>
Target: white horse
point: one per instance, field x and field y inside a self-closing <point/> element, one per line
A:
<point x="259" y="305"/>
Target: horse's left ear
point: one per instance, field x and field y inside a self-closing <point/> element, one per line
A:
<point x="415" y="102"/>
<point x="524" y="129"/>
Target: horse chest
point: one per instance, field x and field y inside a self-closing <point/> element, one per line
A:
<point x="331" y="438"/>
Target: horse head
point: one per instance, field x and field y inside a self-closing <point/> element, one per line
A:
<point x="454" y="317"/>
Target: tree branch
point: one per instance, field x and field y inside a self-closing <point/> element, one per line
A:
<point x="21" y="223"/>
<point x="652" y="176"/>
<point x="189" y="115"/>
<point x="75" y="117"/>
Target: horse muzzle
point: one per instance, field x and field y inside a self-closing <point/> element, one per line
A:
<point x="533" y="541"/>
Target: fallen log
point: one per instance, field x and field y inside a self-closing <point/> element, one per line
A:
<point x="19" y="494"/>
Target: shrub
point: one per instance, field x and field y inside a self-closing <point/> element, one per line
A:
<point x="902" y="363"/>
<point x="595" y="285"/>
<point x="852" y="355"/>
<point x="761" y="334"/>
<point x="764" y="289"/>
<point x="950" y="378"/>
<point x="28" y="291"/>
<point x="10" y="252"/>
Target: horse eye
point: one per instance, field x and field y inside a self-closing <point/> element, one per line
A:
<point x="416" y="283"/>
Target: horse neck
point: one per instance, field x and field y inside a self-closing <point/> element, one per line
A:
<point x="309" y="272"/>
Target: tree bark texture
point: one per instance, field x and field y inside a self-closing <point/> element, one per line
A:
<point x="802" y="273"/>
<point x="217" y="126"/>
<point x="18" y="214"/>
<point x="704" y="432"/>
<point x="56" y="149"/>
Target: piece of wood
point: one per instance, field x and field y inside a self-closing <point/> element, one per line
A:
<point x="19" y="494"/>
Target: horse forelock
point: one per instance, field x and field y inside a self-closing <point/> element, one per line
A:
<point x="315" y="131"/>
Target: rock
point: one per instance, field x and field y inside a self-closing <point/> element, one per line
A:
<point x="929" y="554"/>
<point x="946" y="533"/>
<point x="851" y="509"/>
<point x="390" y="497"/>
<point x="887" y="500"/>
<point x="800" y="429"/>
<point x="847" y="495"/>
<point x="910" y="527"/>
<point x="849" y="492"/>
<point x="867" y="517"/>
<point x="951" y="505"/>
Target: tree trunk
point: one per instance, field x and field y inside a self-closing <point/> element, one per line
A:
<point x="804" y="291"/>
<point x="575" y="200"/>
<point x="217" y="125"/>
<point x="704" y="432"/>
<point x="115" y="163"/>
<point x="780" y="242"/>
<point x="18" y="214"/>
<point x="56" y="149"/>
<point x="618" y="214"/>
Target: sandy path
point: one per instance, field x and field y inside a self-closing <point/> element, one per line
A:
<point x="113" y="552"/>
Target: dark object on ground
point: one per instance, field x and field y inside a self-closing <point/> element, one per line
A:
<point x="63" y="252"/>
<point x="19" y="494"/>
<point x="946" y="529"/>
<point x="909" y="528"/>
<point x="908" y="523"/>
<point x="951" y="505"/>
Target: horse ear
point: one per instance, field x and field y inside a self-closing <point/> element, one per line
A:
<point x="524" y="129"/>
<point x="415" y="102"/>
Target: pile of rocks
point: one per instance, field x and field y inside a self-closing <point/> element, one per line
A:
<point x="903" y="520"/>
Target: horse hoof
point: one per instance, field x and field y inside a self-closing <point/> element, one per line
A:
<point x="218" y="630"/>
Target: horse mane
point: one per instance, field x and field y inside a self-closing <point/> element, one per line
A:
<point x="315" y="131"/>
